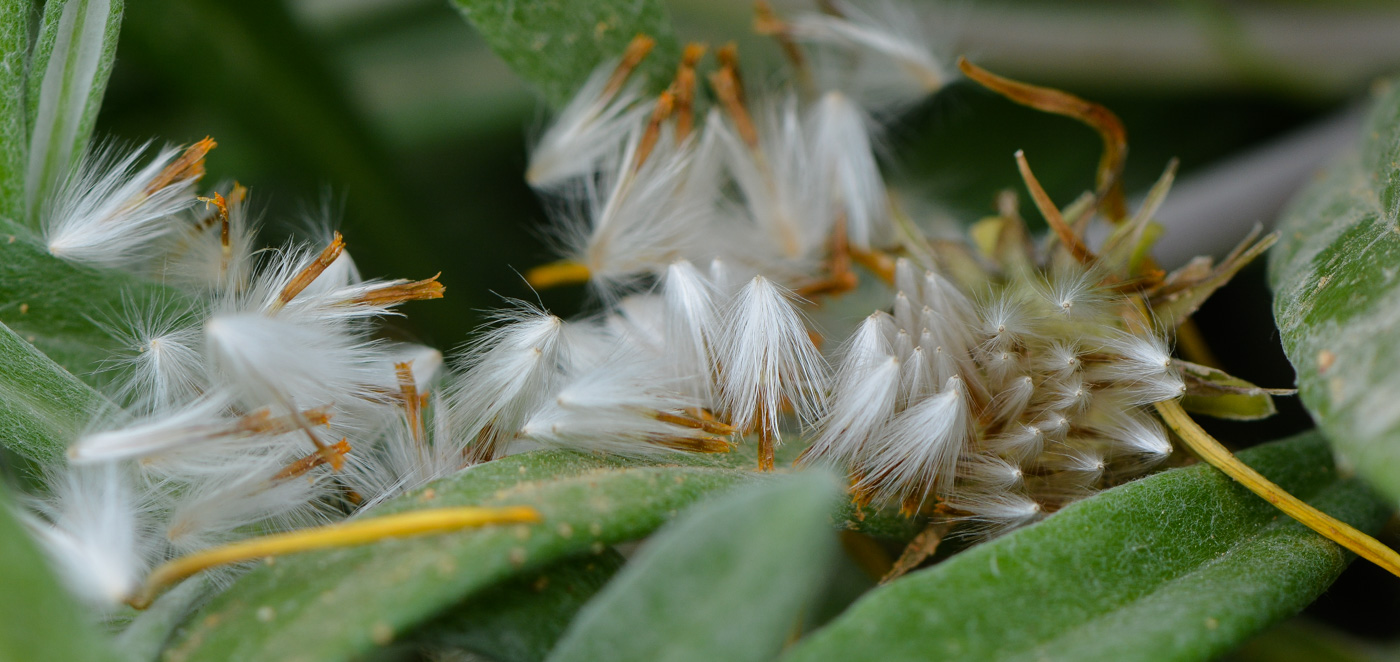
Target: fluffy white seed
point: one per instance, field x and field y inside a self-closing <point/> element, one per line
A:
<point x="592" y="125"/>
<point x="92" y="525"/>
<point x="889" y="45"/>
<point x="917" y="454"/>
<point x="110" y="213"/>
<point x="507" y="375"/>
<point x="634" y="221"/>
<point x="768" y="358"/>
<point x="844" y="154"/>
<point x="692" y="329"/>
<point x="616" y="408"/>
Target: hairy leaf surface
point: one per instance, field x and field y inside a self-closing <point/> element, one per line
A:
<point x="66" y="309"/>
<point x="555" y="44"/>
<point x="42" y="406"/>
<point x="521" y="619"/>
<point x="42" y="621"/>
<point x="745" y="565"/>
<point x="1336" y="280"/>
<point x="1183" y="565"/>
<point x="587" y="504"/>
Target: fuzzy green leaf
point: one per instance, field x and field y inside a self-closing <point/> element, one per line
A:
<point x="1183" y="565"/>
<point x="1336" y="281"/>
<point x="521" y="619"/>
<point x="760" y="553"/>
<point x="146" y="633"/>
<point x="42" y="621"/>
<point x="555" y="44"/>
<point x="61" y="307"/>
<point x="587" y="503"/>
<point x="67" y="76"/>
<point x="42" y="406"/>
<point x="14" y="125"/>
<point x="397" y="585"/>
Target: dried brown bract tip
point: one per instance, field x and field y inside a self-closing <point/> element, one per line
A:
<point x="767" y="22"/>
<point x="397" y="293"/>
<point x="306" y="463"/>
<point x="684" y="89"/>
<point x="665" y="104"/>
<point x="637" y="50"/>
<point x="189" y="165"/>
<point x="725" y="83"/>
<point x="728" y="58"/>
<point x="328" y="255"/>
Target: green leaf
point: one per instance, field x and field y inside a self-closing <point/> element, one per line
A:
<point x="1303" y="640"/>
<point x="67" y="76"/>
<point x="14" y="127"/>
<point x="398" y="584"/>
<point x="521" y="619"/>
<point x="145" y="635"/>
<point x="42" y="621"/>
<point x="395" y="586"/>
<point x="61" y="307"/>
<point x="42" y="406"/>
<point x="1183" y="565"/>
<point x="745" y="565"/>
<point x="1336" y="281"/>
<point x="555" y="44"/>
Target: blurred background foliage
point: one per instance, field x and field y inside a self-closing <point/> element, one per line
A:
<point x="395" y="120"/>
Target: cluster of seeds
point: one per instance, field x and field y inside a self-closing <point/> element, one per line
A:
<point x="1000" y="395"/>
<point x="241" y="387"/>
<point x="257" y="397"/>
<point x="1003" y="408"/>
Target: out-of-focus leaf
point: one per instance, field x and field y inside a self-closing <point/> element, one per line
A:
<point x="42" y="621"/>
<point x="587" y="503"/>
<point x="1336" y="281"/>
<point x="42" y="406"/>
<point x="1183" y="565"/>
<point x="1219" y="394"/>
<point x="67" y="76"/>
<point x="14" y="124"/>
<point x="61" y="307"/>
<point x="521" y="619"/>
<point x="1302" y="640"/>
<point x="727" y="581"/>
<point x="555" y="44"/>
<point x="145" y="635"/>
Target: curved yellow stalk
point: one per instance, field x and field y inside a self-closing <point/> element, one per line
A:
<point x="438" y="520"/>
<point x="1218" y="456"/>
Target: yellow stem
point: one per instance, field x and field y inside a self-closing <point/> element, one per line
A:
<point x="563" y="272"/>
<point x="347" y="534"/>
<point x="1221" y="458"/>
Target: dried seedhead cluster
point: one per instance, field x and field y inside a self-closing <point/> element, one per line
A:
<point x="989" y="381"/>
